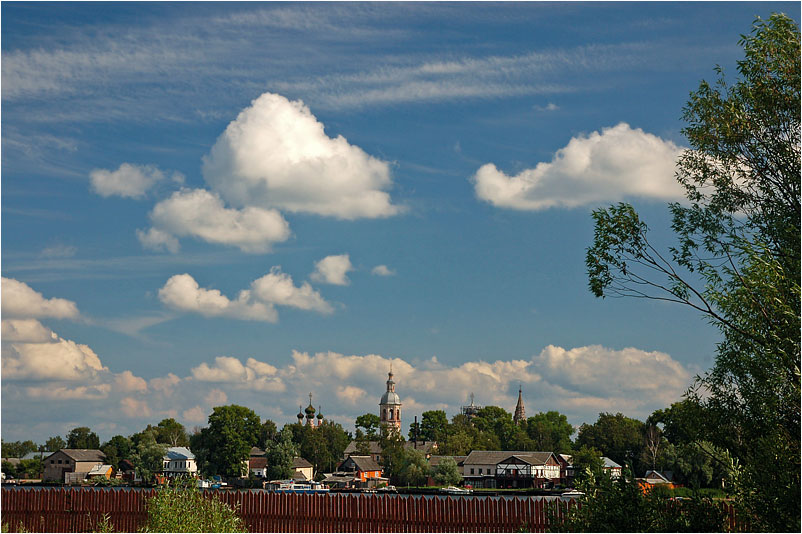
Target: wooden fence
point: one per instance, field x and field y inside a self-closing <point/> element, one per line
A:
<point x="79" y="510"/>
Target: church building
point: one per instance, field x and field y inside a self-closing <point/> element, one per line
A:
<point x="390" y="407"/>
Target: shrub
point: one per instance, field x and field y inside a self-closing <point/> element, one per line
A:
<point x="181" y="507"/>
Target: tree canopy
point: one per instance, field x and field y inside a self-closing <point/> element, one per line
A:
<point x="737" y="261"/>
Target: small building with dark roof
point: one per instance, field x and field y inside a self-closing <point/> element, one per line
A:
<point x="364" y="467"/>
<point x="78" y="461"/>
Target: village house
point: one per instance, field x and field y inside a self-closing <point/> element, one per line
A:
<point x="511" y="469"/>
<point x="257" y="463"/>
<point x="100" y="471"/>
<point x="303" y="470"/>
<point x="611" y="467"/>
<point x="71" y="465"/>
<point x="363" y="467"/>
<point x="179" y="461"/>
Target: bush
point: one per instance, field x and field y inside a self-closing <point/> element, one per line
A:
<point x="181" y="507"/>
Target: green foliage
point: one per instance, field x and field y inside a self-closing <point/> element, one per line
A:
<point x="280" y="454"/>
<point x="619" y="505"/>
<point x="550" y="431"/>
<point x="82" y="438"/>
<point x="587" y="463"/>
<point x="433" y="426"/>
<point x="147" y="456"/>
<point x="618" y="437"/>
<point x="740" y="236"/>
<point x="18" y="449"/>
<point x="172" y="433"/>
<point x="370" y="424"/>
<point x="55" y="443"/>
<point x="223" y="446"/>
<point x="116" y="449"/>
<point x="410" y="468"/>
<point x="267" y="434"/>
<point x="446" y="473"/>
<point x="183" y="508"/>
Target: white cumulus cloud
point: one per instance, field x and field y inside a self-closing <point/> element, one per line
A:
<point x="201" y="214"/>
<point x="182" y="292"/>
<point x="606" y="166"/>
<point x="333" y="270"/>
<point x="58" y="359"/>
<point x="128" y="180"/>
<point x="382" y="270"/>
<point x="20" y="301"/>
<point x="26" y="331"/>
<point x="277" y="155"/>
<point x="128" y="382"/>
<point x="252" y="375"/>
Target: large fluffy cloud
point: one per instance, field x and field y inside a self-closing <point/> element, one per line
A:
<point x="128" y="180"/>
<point x="59" y="359"/>
<point x="276" y="154"/>
<point x="252" y="375"/>
<point x="182" y="292"/>
<point x="201" y="214"/>
<point x="20" y="301"/>
<point x="333" y="270"/>
<point x="617" y="163"/>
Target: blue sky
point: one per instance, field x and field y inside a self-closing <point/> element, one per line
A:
<point x="208" y="203"/>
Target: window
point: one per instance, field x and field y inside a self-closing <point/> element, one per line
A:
<point x="471" y="470"/>
<point x="59" y="461"/>
<point x="480" y="470"/>
<point x="52" y="461"/>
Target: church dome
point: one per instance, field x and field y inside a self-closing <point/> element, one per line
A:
<point x="390" y="397"/>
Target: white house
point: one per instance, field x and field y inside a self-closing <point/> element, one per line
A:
<point x="511" y="469"/>
<point x="179" y="461"/>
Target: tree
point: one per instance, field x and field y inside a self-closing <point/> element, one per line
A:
<point x="55" y="443"/>
<point x="370" y="423"/>
<point x="116" y="449"/>
<point x="267" y="434"/>
<point x="233" y="430"/>
<point x="82" y="438"/>
<point x="446" y="473"/>
<point x="410" y="468"/>
<point x="18" y="449"/>
<point x="496" y="427"/>
<point x="550" y="431"/>
<point x="433" y="425"/>
<point x="618" y="437"/>
<point x="172" y="433"/>
<point x="587" y="462"/>
<point x="280" y="454"/>
<point x="739" y="235"/>
<point x="147" y="455"/>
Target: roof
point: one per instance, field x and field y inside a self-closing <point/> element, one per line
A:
<point x="422" y="446"/>
<point x="32" y="455"/>
<point x="390" y="397"/>
<point x="179" y="453"/>
<point x="99" y="469"/>
<point x="531" y="458"/>
<point x="609" y="464"/>
<point x="373" y="448"/>
<point x="83" y="455"/>
<point x="256" y="451"/>
<point x="435" y="460"/>
<point x="364" y="463"/>
<point x="257" y="462"/>
<point x="298" y="463"/>
<point x="655" y="475"/>
<point x="494" y="457"/>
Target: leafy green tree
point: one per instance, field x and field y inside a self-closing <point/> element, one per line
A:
<point x="433" y="425"/>
<point x="410" y="468"/>
<point x="550" y="431"/>
<point x="280" y="454"/>
<point x="267" y="434"/>
<point x="233" y="430"/>
<point x="495" y="426"/>
<point x="148" y="455"/>
<point x="172" y="433"/>
<point x="9" y="469"/>
<point x="739" y="235"/>
<point x="618" y="437"/>
<point x="446" y="472"/>
<point x="458" y="442"/>
<point x="55" y="443"/>
<point x="82" y="438"/>
<point x="18" y="449"/>
<point x="587" y="462"/>
<point x="116" y="449"/>
<point x="370" y="424"/>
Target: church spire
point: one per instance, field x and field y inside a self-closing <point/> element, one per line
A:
<point x="520" y="413"/>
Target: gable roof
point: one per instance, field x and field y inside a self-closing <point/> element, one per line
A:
<point x="256" y="451"/>
<point x="609" y="464"/>
<point x="373" y="447"/>
<point x="363" y="463"/>
<point x="83" y="455"/>
<point x="531" y="458"/>
<point x="298" y="463"/>
<point x="99" y="469"/>
<point x="179" y="453"/>
<point x="495" y="457"/>
<point x="655" y="475"/>
<point x="257" y="462"/>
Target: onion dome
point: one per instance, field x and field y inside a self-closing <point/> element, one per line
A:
<point x="300" y="413"/>
<point x="319" y="414"/>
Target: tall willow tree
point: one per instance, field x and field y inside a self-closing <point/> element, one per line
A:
<point x="739" y="234"/>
